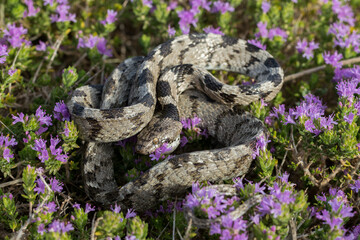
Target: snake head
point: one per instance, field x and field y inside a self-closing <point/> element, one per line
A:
<point x="158" y="132"/>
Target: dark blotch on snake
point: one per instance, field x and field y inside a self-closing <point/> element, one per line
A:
<point x="147" y="100"/>
<point x="171" y="111"/>
<point x="229" y="98"/>
<point x="276" y="79"/>
<point x="163" y="89"/>
<point x="165" y="49"/>
<point x="95" y="126"/>
<point x="112" y="113"/>
<point x="252" y="61"/>
<point x="78" y="109"/>
<point x="265" y="94"/>
<point x="229" y="41"/>
<point x="211" y="83"/>
<point x="252" y="48"/>
<point x="271" y="63"/>
<point x="145" y="77"/>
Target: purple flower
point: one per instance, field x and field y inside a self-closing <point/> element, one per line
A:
<point x="277" y="32"/>
<point x="326" y="217"/>
<point x="77" y="206"/>
<point x="183" y="141"/>
<point x="186" y="18"/>
<point x="222" y="7"/>
<point x="60" y="227"/>
<point x="160" y="152"/>
<point x="212" y="212"/>
<point x="327" y="123"/>
<point x="211" y="29"/>
<point x="31" y="9"/>
<point x="41" y="46"/>
<point x="61" y="108"/>
<point x="263" y="32"/>
<point x="257" y="43"/>
<point x="333" y="59"/>
<point x="255" y="218"/>
<point x="172" y="5"/>
<point x="41" y="229"/>
<point x="260" y="145"/>
<point x="269" y="206"/>
<point x="215" y="228"/>
<point x="12" y="71"/>
<point x="130" y="213"/>
<point x="265" y="6"/>
<point x="110" y="17"/>
<point x="130" y="237"/>
<point x="196" y="4"/>
<point x="63" y="14"/>
<point x="284" y="178"/>
<point x="7" y="155"/>
<point x="40" y="186"/>
<point x="3" y="53"/>
<point x="171" y="31"/>
<point x="56" y="186"/>
<point x="289" y="119"/>
<point x="66" y="131"/>
<point x="306" y="48"/>
<point x="39" y="144"/>
<point x="88" y="208"/>
<point x="51" y="207"/>
<point x="101" y="47"/>
<point x="116" y="208"/>
<point x="48" y="2"/>
<point x="356" y="186"/>
<point x="147" y="3"/>
<point x="42" y="118"/>
<point x="349" y="118"/>
<point x="259" y="188"/>
<point x="6" y="141"/>
<point x="347" y="89"/>
<point x="13" y="35"/>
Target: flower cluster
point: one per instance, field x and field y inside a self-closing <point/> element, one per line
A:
<point x="191" y="132"/>
<point x="91" y="41"/>
<point x="188" y="17"/>
<point x="31" y="11"/>
<point x="334" y="211"/>
<point x="37" y="123"/>
<point x="61" y="112"/>
<point x="333" y="59"/>
<point x="5" y="144"/>
<point x="344" y="37"/>
<point x="62" y="11"/>
<point x="270" y="33"/>
<point x="56" y="226"/>
<point x="110" y="17"/>
<point x="306" y="48"/>
<point x="3" y="53"/>
<point x="161" y="153"/>
<point x="43" y="152"/>
<point x="309" y="113"/>
<point x="54" y="184"/>
<point x="214" y="205"/>
<point x="14" y="35"/>
<point x="260" y="145"/>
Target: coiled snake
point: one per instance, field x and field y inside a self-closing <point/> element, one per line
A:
<point x="125" y="106"/>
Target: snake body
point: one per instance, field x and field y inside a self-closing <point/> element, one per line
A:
<point x="125" y="106"/>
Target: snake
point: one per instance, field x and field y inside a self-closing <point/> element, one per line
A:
<point x="147" y="96"/>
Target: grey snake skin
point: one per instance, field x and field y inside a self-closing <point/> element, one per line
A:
<point x="125" y="106"/>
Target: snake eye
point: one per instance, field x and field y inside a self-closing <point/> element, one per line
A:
<point x="155" y="141"/>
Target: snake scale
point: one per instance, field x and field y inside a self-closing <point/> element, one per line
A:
<point x="124" y="106"/>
